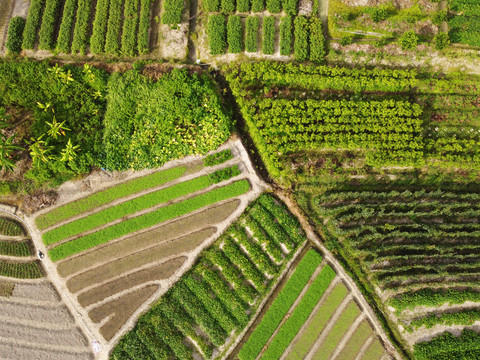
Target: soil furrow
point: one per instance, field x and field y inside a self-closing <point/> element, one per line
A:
<point x="19" y="349"/>
<point x="54" y="315"/>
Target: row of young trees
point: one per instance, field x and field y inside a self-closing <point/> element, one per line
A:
<point x="290" y="7"/>
<point x="301" y="34"/>
<point x="118" y="26"/>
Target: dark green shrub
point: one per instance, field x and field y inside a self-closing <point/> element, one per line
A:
<point x="211" y="5"/>
<point x="346" y="39"/>
<point x="234" y="34"/>
<point x="441" y="40"/>
<point x="216" y="34"/>
<point x="382" y="12"/>
<point x="317" y="40"/>
<point x="243" y="5"/>
<point x="258" y="5"/>
<point x="15" y="35"/>
<point x="439" y="17"/>
<point x="228" y="6"/>
<point x="268" y="35"/>
<point x="251" y="33"/>
<point x="409" y="40"/>
<point x="286" y="27"/>
<point x="301" y="38"/>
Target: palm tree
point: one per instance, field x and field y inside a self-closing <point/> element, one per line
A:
<point x="56" y="128"/>
<point x="39" y="151"/>
<point x="68" y="154"/>
<point x="7" y="147"/>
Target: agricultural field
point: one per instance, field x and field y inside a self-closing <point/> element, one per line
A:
<point x="119" y="248"/>
<point x="124" y="28"/>
<point x="312" y="316"/>
<point x="34" y="322"/>
<point x="279" y="29"/>
<point x="205" y="311"/>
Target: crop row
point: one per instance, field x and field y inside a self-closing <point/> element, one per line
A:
<point x="244" y="6"/>
<point x="15" y="248"/>
<point x="9" y="227"/>
<point x="465" y="317"/>
<point x="152" y="218"/>
<point x="22" y="270"/>
<point x="218" y="158"/>
<point x="115" y="23"/>
<point x="309" y="40"/>
<point x="172" y="12"/>
<point x="447" y="347"/>
<point x="280" y="305"/>
<point x="102" y="197"/>
<point x="214" y="299"/>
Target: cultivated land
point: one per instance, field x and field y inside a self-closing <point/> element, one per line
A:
<point x="34" y="321"/>
<point x="149" y="230"/>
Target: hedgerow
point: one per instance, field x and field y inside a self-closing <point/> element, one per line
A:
<point x="280" y="305"/>
<point x="258" y="6"/>
<point x="47" y="28"/>
<point x="33" y="23"/>
<point x="243" y="6"/>
<point x="218" y="158"/>
<point x="187" y="108"/>
<point x="172" y="12"/>
<point x="130" y="24"/>
<point x="268" y="35"/>
<point x="274" y="6"/>
<point x="286" y="38"/>
<point x="80" y="32"/>
<point x="143" y="46"/>
<point x="211" y="5"/>
<point x="317" y="40"/>
<point x="216" y="34"/>
<point x="234" y="34"/>
<point x="79" y="206"/>
<point x="97" y="41"/>
<point x="301" y="38"/>
<point x="141" y="222"/>
<point x="66" y="26"/>
<point x="114" y="27"/>
<point x="228" y="6"/>
<point x="15" y="35"/>
<point x="251" y="33"/>
<point x="126" y="208"/>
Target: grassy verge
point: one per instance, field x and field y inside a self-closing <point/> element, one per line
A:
<point x="280" y="305"/>
<point x="147" y="220"/>
<point x="105" y="196"/>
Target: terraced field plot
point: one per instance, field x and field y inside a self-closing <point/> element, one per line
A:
<point x="419" y="245"/>
<point x="204" y="312"/>
<point x="313" y="316"/>
<point x="34" y="323"/>
<point x="117" y="248"/>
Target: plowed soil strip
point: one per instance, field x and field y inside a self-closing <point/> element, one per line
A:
<point x="355" y="343"/>
<point x="121" y="309"/>
<point x="16" y="352"/>
<point x="56" y="315"/>
<point x="315" y="325"/>
<point x="129" y="263"/>
<point x="43" y="292"/>
<point x="147" y="239"/>
<point x="72" y="337"/>
<point x="158" y="272"/>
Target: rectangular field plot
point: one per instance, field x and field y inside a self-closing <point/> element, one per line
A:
<point x="214" y="301"/>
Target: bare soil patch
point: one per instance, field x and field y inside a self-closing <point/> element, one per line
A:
<point x="42" y="314"/>
<point x="157" y="272"/>
<point x="148" y="239"/>
<point x="129" y="263"/>
<point x="42" y="291"/>
<point x="15" y="352"/>
<point x="120" y="310"/>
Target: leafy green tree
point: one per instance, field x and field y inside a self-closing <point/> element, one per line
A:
<point x="409" y="40"/>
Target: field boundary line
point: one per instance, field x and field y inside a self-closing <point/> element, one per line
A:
<point x="149" y="210"/>
<point x="315" y="310"/>
<point x="48" y="347"/>
<point x="14" y="239"/>
<point x="331" y="323"/>
<point x="18" y="259"/>
<point x="347" y="336"/>
<point x="336" y="266"/>
<point x="294" y="305"/>
<point x="135" y="252"/>
<point x="25" y="281"/>
<point x="365" y="346"/>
